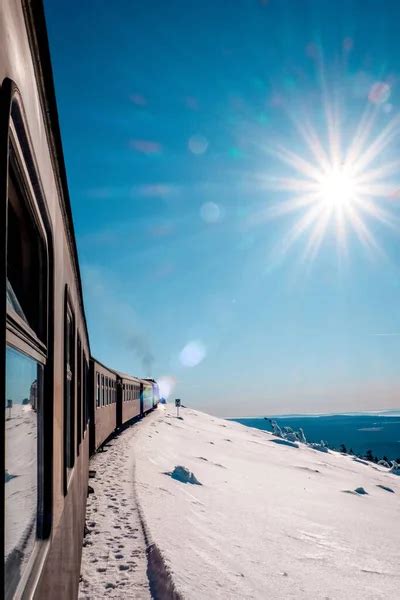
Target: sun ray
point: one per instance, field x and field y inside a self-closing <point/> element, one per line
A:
<point x="317" y="236"/>
<point x="314" y="144"/>
<point x="301" y="165"/>
<point x="299" y="228"/>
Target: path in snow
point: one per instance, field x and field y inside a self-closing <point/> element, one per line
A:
<point x="269" y="521"/>
<point x="114" y="558"/>
<point x="21" y="482"/>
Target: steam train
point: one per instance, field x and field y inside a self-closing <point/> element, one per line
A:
<point x="61" y="403"/>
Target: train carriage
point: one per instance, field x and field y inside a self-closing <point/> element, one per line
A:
<point x="104" y="399"/>
<point x="147" y="396"/>
<point x="128" y="398"/>
<point x="156" y="391"/>
<point x="44" y="345"/>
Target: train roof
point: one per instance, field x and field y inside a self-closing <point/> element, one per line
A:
<point x="98" y="362"/>
<point x="129" y="377"/>
<point x="40" y="52"/>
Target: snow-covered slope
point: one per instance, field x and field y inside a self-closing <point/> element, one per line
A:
<point x="270" y="520"/>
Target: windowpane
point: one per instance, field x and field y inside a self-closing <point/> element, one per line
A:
<point x="23" y="403"/>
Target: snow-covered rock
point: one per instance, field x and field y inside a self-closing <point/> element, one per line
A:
<point x="183" y="475"/>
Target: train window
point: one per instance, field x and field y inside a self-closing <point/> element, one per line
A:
<point x="24" y="402"/>
<point x="79" y="396"/>
<point x="26" y="264"/>
<point x="83" y="424"/>
<point x="87" y="394"/>
<point x="97" y="390"/>
<point x="84" y="395"/>
<point x="69" y="392"/>
<point x="25" y="360"/>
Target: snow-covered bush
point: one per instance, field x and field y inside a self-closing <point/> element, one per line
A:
<point x="395" y="468"/>
<point x="321" y="447"/>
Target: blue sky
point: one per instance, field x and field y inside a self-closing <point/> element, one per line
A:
<point x="183" y="132"/>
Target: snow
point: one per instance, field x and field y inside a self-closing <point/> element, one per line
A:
<point x="268" y="520"/>
<point x="114" y="559"/>
<point x="21" y="480"/>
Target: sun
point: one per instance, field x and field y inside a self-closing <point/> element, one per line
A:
<point x="332" y="188"/>
<point x="337" y="188"/>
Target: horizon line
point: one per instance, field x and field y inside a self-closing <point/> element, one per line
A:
<point x="329" y="414"/>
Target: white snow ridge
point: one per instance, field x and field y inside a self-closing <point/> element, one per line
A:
<point x="268" y="521"/>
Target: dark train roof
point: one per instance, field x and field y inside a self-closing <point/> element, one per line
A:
<point x="37" y="32"/>
<point x="130" y="377"/>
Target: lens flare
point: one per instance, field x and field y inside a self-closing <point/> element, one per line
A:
<point x="192" y="354"/>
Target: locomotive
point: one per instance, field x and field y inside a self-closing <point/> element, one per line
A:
<point x="61" y="403"/>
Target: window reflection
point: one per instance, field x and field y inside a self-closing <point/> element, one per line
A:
<point x="23" y="393"/>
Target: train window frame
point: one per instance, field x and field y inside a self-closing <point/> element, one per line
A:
<point x="84" y="396"/>
<point x="79" y="385"/>
<point x="32" y="338"/>
<point x="69" y="403"/>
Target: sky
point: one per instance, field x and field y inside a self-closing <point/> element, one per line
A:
<point x="234" y="176"/>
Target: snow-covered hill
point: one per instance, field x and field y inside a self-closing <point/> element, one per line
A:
<point x="269" y="520"/>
